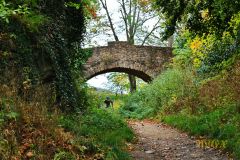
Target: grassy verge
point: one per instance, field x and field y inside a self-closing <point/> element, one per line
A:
<point x="222" y="124"/>
<point x="102" y="132"/>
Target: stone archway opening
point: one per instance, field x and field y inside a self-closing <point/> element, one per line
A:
<point x="102" y="82"/>
<point x="145" y="77"/>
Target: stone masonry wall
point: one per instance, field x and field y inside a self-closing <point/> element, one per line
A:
<point x="145" y="62"/>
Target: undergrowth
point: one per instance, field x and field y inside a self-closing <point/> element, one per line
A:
<point x="103" y="133"/>
<point x="31" y="129"/>
<point x="28" y="130"/>
<point x="166" y="89"/>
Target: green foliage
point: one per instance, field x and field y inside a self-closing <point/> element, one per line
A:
<point x="65" y="53"/>
<point x="7" y="114"/>
<point x="66" y="91"/>
<point x="104" y="132"/>
<point x="171" y="85"/>
<point x="7" y="111"/>
<point x="182" y="51"/>
<point x="64" y="156"/>
<point x="7" y="10"/>
<point x="198" y="16"/>
<point x="97" y="97"/>
<point x="44" y="40"/>
<point x="78" y="57"/>
<point x="209" y="53"/>
<point x="89" y="6"/>
<point x="119" y="82"/>
<point x="33" y="21"/>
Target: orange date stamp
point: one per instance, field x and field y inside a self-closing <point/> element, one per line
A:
<point x="212" y="143"/>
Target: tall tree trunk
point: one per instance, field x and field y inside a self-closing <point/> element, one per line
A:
<point x="132" y="80"/>
<point x="170" y="41"/>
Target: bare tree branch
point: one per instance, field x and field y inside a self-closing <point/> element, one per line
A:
<point x="156" y="26"/>
<point x="125" y="23"/>
<point x="125" y="18"/>
<point x="104" y="4"/>
<point x="136" y="24"/>
<point x="147" y="19"/>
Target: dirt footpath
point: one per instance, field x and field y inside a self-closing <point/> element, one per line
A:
<point x="157" y="141"/>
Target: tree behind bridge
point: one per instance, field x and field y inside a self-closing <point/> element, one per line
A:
<point x="138" y="22"/>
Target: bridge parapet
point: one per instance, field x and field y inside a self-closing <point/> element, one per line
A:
<point x="118" y="43"/>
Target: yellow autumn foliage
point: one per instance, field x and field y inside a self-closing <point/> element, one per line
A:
<point x="205" y="14"/>
<point x="196" y="46"/>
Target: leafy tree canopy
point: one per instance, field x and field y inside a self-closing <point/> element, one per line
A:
<point x="199" y="16"/>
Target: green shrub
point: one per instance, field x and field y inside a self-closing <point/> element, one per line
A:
<point x="101" y="131"/>
<point x="171" y="85"/>
<point x="8" y="115"/>
<point x="64" y="156"/>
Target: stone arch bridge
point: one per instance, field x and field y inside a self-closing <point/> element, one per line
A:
<point x="145" y="62"/>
